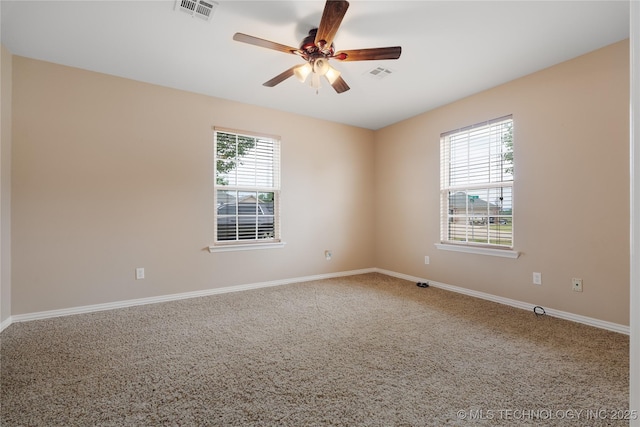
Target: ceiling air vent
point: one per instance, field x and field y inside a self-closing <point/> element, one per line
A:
<point x="200" y="8"/>
<point x="379" y="73"/>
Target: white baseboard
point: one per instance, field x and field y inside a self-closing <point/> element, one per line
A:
<point x="174" y="297"/>
<point x="615" y="327"/>
<point x="5" y="323"/>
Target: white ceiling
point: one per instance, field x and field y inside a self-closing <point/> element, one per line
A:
<point x="450" y="49"/>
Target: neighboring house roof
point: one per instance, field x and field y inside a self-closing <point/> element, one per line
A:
<point x="249" y="199"/>
<point x="229" y="199"/>
<point x="225" y="198"/>
<point x="459" y="201"/>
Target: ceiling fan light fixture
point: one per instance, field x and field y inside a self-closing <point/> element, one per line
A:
<point x="315" y="82"/>
<point x="302" y="72"/>
<point x="332" y="75"/>
<point x="321" y="66"/>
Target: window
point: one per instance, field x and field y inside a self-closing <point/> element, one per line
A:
<point x="476" y="185"/>
<point x="247" y="187"/>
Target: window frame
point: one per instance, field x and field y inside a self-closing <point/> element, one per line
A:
<point x="270" y="174"/>
<point x="456" y="177"/>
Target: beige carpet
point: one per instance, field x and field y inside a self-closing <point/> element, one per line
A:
<point x="368" y="350"/>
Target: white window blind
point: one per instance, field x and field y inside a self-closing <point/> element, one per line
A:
<point x="476" y="184"/>
<point x="247" y="187"/>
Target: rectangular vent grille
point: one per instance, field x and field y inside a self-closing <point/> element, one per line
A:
<point x="200" y="8"/>
<point x="379" y="73"/>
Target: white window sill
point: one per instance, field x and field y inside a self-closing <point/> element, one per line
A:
<point x="246" y="247"/>
<point x="504" y="253"/>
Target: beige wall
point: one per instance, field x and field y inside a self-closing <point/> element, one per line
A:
<point x="5" y="183"/>
<point x="571" y="190"/>
<point x="111" y="174"/>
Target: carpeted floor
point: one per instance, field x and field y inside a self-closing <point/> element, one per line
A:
<point x="367" y="350"/>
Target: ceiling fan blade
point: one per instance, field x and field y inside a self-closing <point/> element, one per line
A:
<point x="280" y="77"/>
<point x="340" y="85"/>
<point x="375" y="53"/>
<point x="240" y="37"/>
<point x="334" y="11"/>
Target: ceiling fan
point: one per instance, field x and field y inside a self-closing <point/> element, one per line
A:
<point x="317" y="48"/>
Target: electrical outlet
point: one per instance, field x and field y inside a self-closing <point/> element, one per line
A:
<point x="426" y="260"/>
<point x="576" y="285"/>
<point x="139" y="273"/>
<point x="537" y="278"/>
<point x="328" y="255"/>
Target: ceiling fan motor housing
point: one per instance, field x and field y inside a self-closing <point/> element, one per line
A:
<point x="310" y="51"/>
